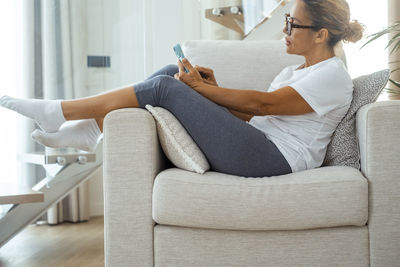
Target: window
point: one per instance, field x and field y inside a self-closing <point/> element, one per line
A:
<point x="373" y="57"/>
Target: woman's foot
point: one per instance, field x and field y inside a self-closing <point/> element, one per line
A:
<point x="48" y="114"/>
<point x="81" y="134"/>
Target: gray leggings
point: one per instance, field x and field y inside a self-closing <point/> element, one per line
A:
<point x="230" y="145"/>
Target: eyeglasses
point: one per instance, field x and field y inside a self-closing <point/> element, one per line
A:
<point x="290" y="25"/>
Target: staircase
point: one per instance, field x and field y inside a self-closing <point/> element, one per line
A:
<point x="270" y="28"/>
<point x="65" y="173"/>
<point x="254" y="20"/>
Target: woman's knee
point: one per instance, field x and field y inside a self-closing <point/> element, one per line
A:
<point x="164" y="81"/>
<point x="170" y="69"/>
<point x="165" y="85"/>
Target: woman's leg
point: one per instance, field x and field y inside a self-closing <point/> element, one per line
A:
<point x="98" y="106"/>
<point x="230" y="144"/>
<point x="84" y="133"/>
<point x="51" y="114"/>
<point x="88" y="115"/>
<point x="80" y="134"/>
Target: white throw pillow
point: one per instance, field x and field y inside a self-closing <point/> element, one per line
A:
<point x="176" y="143"/>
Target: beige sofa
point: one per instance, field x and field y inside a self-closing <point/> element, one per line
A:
<point x="159" y="215"/>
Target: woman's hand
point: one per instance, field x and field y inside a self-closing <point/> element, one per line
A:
<point x="207" y="75"/>
<point x="193" y="78"/>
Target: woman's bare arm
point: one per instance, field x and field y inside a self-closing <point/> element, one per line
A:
<point x="240" y="115"/>
<point x="284" y="101"/>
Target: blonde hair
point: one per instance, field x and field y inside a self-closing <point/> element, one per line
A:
<point x="334" y="15"/>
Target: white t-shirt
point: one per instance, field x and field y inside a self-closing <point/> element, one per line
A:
<point x="303" y="139"/>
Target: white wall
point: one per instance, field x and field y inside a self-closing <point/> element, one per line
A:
<point x="115" y="29"/>
<point x="173" y="21"/>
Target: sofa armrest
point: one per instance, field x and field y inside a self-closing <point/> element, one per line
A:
<point x="378" y="130"/>
<point x="132" y="159"/>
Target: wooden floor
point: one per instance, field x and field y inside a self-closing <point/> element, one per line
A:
<point x="61" y="245"/>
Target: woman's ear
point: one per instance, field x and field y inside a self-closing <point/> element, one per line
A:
<point x="322" y="36"/>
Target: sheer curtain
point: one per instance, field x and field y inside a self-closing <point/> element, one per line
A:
<point x="53" y="41"/>
<point x="8" y="119"/>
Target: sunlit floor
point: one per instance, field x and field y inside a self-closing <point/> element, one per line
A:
<point x="67" y="244"/>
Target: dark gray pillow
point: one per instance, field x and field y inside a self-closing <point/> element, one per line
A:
<point x="343" y="150"/>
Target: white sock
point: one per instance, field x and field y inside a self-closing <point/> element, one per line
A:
<point x="48" y="114"/>
<point x="80" y="134"/>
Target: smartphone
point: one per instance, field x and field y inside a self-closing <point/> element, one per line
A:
<point x="179" y="53"/>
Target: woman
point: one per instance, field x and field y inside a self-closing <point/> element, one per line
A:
<point x="241" y="132"/>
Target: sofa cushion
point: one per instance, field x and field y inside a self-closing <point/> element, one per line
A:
<point x="323" y="197"/>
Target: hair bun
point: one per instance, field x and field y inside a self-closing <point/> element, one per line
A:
<point x="354" y="32"/>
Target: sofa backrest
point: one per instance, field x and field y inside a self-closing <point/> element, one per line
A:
<point x="241" y="64"/>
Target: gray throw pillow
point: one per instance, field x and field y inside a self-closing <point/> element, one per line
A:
<point x="343" y="150"/>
